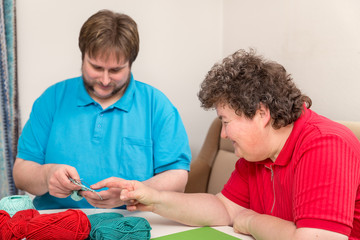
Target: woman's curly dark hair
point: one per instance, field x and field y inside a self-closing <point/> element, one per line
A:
<point x="243" y="80"/>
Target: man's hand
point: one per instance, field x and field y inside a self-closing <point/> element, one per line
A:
<point x="58" y="182"/>
<point x="110" y="197"/>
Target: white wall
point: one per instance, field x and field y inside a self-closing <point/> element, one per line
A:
<point x="317" y="41"/>
<point x="179" y="42"/>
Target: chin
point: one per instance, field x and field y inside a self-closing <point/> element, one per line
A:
<point x="103" y="96"/>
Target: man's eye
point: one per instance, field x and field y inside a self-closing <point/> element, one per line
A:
<point x="114" y="70"/>
<point x="97" y="68"/>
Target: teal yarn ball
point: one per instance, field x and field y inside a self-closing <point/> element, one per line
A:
<point x="76" y="196"/>
<point x="108" y="226"/>
<point x="99" y="218"/>
<point x="15" y="203"/>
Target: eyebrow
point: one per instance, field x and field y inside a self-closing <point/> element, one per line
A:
<point x="115" y="68"/>
<point x="119" y="67"/>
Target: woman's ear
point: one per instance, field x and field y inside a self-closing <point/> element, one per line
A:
<point x="264" y="114"/>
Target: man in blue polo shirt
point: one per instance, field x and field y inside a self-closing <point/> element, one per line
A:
<point x="100" y="126"/>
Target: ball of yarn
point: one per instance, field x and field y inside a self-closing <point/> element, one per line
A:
<point x="106" y="227"/>
<point x="76" y="196"/>
<point x="4" y="217"/>
<point x="99" y="218"/>
<point x="70" y="224"/>
<point x="15" y="228"/>
<point x="15" y="203"/>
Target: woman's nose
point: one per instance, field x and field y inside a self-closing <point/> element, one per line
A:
<point x="223" y="133"/>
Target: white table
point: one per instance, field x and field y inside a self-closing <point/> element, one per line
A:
<point x="160" y="225"/>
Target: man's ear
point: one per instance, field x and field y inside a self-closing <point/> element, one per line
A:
<point x="264" y="114"/>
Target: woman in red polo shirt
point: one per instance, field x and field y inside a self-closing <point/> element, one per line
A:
<point x="298" y="174"/>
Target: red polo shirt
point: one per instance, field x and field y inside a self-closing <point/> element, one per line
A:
<point x="314" y="181"/>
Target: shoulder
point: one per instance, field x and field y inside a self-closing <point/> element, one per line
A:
<point x="320" y="125"/>
<point x="56" y="92"/>
<point x="319" y="129"/>
<point x="64" y="85"/>
<point x="154" y="96"/>
<point x="149" y="89"/>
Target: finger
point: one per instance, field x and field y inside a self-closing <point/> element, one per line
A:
<point x="73" y="185"/>
<point x="141" y="207"/>
<point x="131" y="202"/>
<point x="93" y="196"/>
<point x="70" y="172"/>
<point x="56" y="187"/>
<point x="118" y="184"/>
<point x="131" y="208"/>
<point x="60" y="193"/>
<point x="124" y="195"/>
<point x="101" y="184"/>
<point x="110" y="203"/>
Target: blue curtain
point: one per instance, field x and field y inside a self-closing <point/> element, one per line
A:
<point x="9" y="121"/>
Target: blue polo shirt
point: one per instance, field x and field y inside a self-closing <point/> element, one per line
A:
<point x="139" y="136"/>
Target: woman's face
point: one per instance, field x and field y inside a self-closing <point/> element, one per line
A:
<point x="247" y="135"/>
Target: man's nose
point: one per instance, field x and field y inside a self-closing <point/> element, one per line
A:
<point x="105" y="80"/>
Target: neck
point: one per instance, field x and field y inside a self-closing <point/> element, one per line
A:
<point x="279" y="139"/>
<point x="106" y="102"/>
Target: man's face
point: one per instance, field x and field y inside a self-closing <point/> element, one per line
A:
<point x="247" y="135"/>
<point x="105" y="79"/>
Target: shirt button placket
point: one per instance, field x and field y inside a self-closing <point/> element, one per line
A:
<point x="98" y="131"/>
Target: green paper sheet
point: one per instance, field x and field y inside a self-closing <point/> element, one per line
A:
<point x="203" y="233"/>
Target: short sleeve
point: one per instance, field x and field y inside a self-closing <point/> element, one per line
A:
<point x="237" y="187"/>
<point x="34" y="137"/>
<point x="171" y="144"/>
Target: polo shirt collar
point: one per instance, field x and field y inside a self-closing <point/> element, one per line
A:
<point x="124" y="103"/>
<point x="288" y="149"/>
<point x="83" y="98"/>
<point x="285" y="154"/>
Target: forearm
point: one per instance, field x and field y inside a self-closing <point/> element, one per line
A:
<point x="196" y="209"/>
<point x="30" y="176"/>
<point x="266" y="227"/>
<point x="263" y="226"/>
<point x="199" y="209"/>
<point x="171" y="180"/>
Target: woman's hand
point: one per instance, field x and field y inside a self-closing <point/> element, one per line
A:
<point x="136" y="195"/>
<point x="242" y="221"/>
